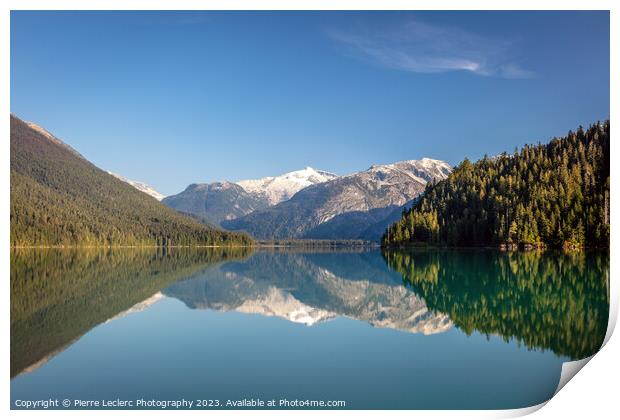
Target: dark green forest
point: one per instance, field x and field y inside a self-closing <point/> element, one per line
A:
<point x="545" y="300"/>
<point x="57" y="295"/>
<point x="553" y="195"/>
<point x="60" y="198"/>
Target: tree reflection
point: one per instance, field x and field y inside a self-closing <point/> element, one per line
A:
<point x="57" y="295"/>
<point x="556" y="301"/>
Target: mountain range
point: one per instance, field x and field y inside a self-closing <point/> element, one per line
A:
<point x="217" y="202"/>
<point x="313" y="204"/>
<point x="59" y="197"/>
<point x="356" y="206"/>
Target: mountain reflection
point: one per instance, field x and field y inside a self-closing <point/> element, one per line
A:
<point x="546" y="300"/>
<point x="310" y="288"/>
<point x="59" y="295"/>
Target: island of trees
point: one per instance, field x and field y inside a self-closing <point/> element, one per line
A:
<point x="553" y="195"/>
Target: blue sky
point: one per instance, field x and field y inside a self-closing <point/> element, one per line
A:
<point x="172" y="98"/>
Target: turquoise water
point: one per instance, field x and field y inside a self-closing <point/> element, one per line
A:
<point x="400" y="330"/>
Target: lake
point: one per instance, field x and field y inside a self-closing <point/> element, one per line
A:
<point x="419" y="329"/>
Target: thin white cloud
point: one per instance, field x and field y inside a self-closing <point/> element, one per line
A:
<point x="420" y="47"/>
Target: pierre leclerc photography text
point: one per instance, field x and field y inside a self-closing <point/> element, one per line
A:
<point x="307" y="210"/>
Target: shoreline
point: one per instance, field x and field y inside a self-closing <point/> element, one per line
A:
<point x="124" y="246"/>
<point x="490" y="247"/>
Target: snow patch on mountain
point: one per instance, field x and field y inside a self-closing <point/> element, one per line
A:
<point x="276" y="189"/>
<point x="140" y="186"/>
<point x="423" y="170"/>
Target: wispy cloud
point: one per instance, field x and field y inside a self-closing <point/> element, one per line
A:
<point x="421" y="47"/>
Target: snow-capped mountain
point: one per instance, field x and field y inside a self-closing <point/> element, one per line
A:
<point x="423" y="170"/>
<point x="310" y="203"/>
<point x="140" y="186"/>
<point x="217" y="202"/>
<point x="276" y="189"/>
<point x="344" y="207"/>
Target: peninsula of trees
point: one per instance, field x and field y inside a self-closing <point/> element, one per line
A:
<point x="553" y="195"/>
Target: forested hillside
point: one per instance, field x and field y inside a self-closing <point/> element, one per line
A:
<point x="59" y="198"/>
<point x="547" y="195"/>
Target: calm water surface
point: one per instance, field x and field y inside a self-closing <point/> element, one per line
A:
<point x="406" y="329"/>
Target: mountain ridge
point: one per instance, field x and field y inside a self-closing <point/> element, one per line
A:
<point x="59" y="198"/>
<point x="219" y="201"/>
<point x="361" y="194"/>
<point x="276" y="189"/>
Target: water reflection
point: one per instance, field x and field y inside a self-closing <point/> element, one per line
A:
<point x="545" y="301"/>
<point x="310" y="288"/>
<point x="553" y="301"/>
<point x="59" y="295"/>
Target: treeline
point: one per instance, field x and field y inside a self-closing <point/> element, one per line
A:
<point x="554" y="195"/>
<point x="316" y="243"/>
<point x="557" y="301"/>
<point x="59" y="198"/>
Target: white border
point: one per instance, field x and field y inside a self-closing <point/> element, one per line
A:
<point x="594" y="394"/>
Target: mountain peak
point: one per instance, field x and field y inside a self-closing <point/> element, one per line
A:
<point x="276" y="189"/>
<point x="424" y="170"/>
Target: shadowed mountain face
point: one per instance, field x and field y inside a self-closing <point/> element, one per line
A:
<point x="310" y="288"/>
<point x="345" y="207"/>
<point x="216" y="202"/>
<point x="367" y="225"/>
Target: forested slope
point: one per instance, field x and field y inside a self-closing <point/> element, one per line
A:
<point x="60" y="198"/>
<point x="548" y="195"/>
